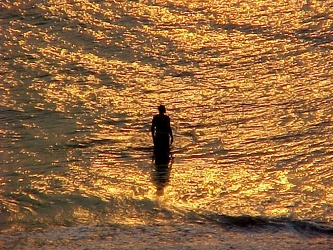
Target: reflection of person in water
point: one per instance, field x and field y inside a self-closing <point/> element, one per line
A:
<point x="161" y="173"/>
<point x="161" y="132"/>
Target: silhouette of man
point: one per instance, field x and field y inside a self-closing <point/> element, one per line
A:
<point x="161" y="133"/>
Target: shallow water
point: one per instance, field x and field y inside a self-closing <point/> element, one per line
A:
<point x="248" y="87"/>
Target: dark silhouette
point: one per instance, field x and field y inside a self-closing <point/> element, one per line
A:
<point x="161" y="172"/>
<point x="161" y="133"/>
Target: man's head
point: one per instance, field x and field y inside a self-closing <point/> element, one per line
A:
<point x="161" y="109"/>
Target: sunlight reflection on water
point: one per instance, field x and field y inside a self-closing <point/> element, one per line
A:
<point x="248" y="86"/>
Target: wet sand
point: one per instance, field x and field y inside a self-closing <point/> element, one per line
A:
<point x="163" y="236"/>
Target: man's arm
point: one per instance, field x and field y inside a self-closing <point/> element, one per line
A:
<point x="152" y="129"/>
<point x="171" y="135"/>
<point x="170" y="132"/>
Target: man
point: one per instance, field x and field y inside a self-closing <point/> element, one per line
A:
<point x="161" y="132"/>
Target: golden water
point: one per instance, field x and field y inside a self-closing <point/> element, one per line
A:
<point x="247" y="84"/>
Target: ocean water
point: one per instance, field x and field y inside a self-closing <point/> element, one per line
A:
<point x="247" y="84"/>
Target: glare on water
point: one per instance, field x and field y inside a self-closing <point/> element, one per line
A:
<point x="247" y="84"/>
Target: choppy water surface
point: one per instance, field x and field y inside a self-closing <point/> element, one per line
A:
<point x="247" y="84"/>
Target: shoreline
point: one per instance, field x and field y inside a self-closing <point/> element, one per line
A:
<point x="163" y="236"/>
